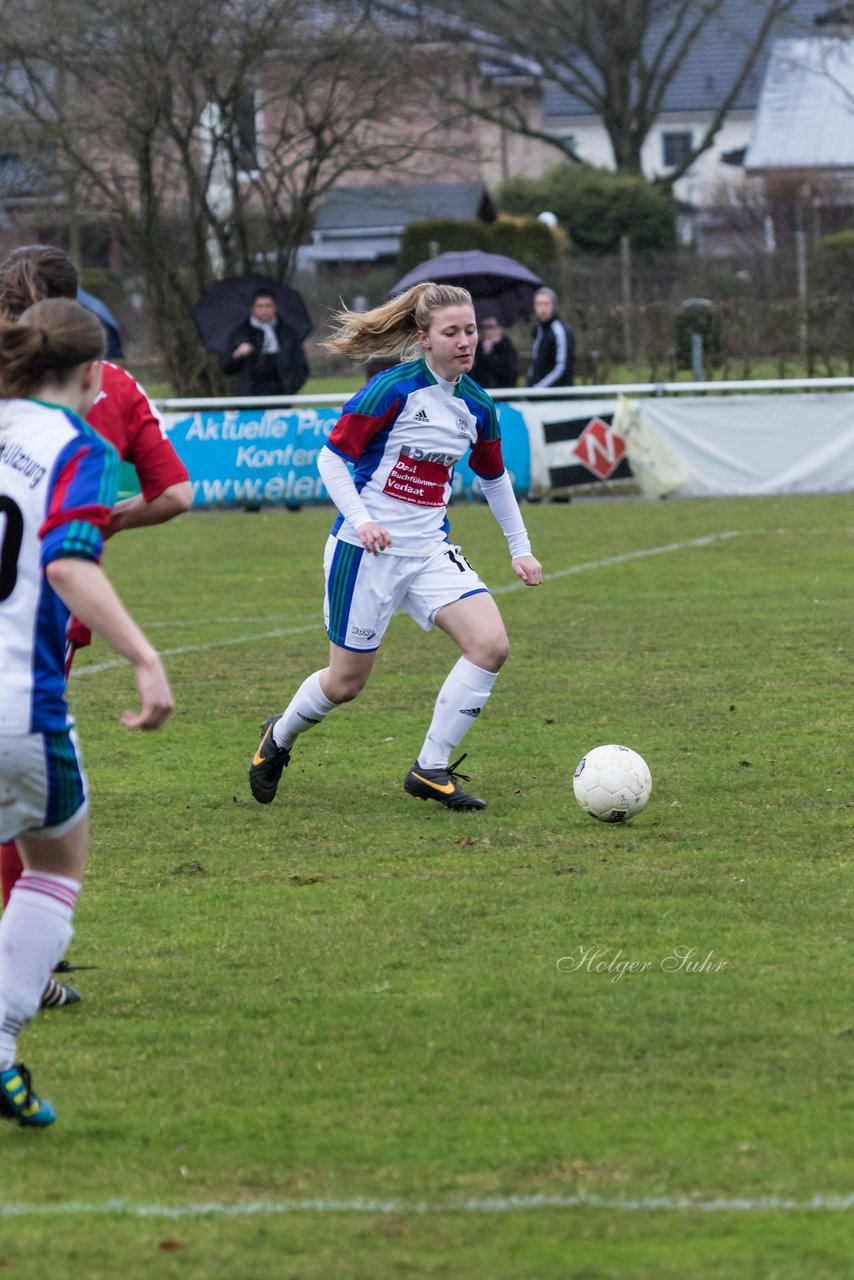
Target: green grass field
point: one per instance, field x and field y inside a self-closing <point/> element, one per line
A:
<point x="331" y="1038"/>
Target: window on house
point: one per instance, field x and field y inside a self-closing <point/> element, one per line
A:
<point x="676" y="147"/>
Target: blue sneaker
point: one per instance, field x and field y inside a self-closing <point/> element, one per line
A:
<point x="18" y="1100"/>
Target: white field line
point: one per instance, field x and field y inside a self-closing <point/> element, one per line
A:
<point x="670" y="547"/>
<point x="472" y="1204"/>
<point x="644" y="554"/>
<point x="162" y="624"/>
<point x="112" y="663"/>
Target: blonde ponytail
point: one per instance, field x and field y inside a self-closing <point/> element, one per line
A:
<point x="392" y="328"/>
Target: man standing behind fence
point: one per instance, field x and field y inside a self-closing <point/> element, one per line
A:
<point x="265" y="352"/>
<point x="553" y="353"/>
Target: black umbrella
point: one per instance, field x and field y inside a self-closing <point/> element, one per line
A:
<point x="499" y="286"/>
<point x="225" y="303"/>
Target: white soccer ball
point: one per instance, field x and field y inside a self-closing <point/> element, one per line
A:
<point x="612" y="783"/>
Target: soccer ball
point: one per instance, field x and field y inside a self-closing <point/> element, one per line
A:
<point x="612" y="783"/>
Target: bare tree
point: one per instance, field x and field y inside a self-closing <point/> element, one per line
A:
<point x="206" y="130"/>
<point x="615" y="58"/>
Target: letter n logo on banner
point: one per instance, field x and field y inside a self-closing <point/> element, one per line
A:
<point x="600" y="448"/>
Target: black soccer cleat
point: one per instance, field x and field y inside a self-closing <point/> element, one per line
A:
<point x="267" y="764"/>
<point x="57" y="995"/>
<point x="441" y="785"/>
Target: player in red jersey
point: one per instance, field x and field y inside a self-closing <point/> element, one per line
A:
<point x="123" y="415"/>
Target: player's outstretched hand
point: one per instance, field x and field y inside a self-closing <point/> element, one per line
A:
<point x="529" y="569"/>
<point x="374" y="537"/>
<point x="154" y="694"/>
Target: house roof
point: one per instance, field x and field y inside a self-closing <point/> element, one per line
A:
<point x="390" y="208"/>
<point x="805" y="118"/>
<point x="710" y="68"/>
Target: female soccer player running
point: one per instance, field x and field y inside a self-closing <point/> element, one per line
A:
<point x="57" y="487"/>
<point x="389" y="548"/>
<point x="121" y="414"/>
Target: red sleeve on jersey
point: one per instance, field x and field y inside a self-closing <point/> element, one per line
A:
<point x="486" y="459"/>
<point x="124" y="416"/>
<point x="81" y="496"/>
<point x="353" y="431"/>
<point x="98" y="516"/>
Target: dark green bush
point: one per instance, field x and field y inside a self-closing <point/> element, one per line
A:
<point x="834" y="262"/>
<point x="525" y="239"/>
<point x="596" y="207"/>
<point x="447" y="233"/>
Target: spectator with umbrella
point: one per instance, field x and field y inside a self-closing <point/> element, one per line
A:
<point x="257" y="327"/>
<point x="266" y="353"/>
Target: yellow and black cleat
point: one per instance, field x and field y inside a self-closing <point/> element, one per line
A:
<point x="441" y="785"/>
<point x="267" y="764"/>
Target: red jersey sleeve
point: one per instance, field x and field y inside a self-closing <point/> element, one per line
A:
<point x="123" y="414"/>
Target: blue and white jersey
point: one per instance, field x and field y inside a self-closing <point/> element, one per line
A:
<point x="58" y="480"/>
<point x="405" y="431"/>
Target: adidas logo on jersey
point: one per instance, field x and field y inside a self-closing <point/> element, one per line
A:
<point x="421" y="416"/>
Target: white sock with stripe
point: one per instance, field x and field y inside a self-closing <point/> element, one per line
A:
<point x="461" y="699"/>
<point x="307" y="707"/>
<point x="35" y="931"/>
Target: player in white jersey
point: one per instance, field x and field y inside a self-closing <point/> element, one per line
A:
<point x="57" y="486"/>
<point x="390" y="546"/>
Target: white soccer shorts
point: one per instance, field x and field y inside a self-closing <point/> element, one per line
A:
<point x="43" y="788"/>
<point x="363" y="591"/>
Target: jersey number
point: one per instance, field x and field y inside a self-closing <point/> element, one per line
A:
<point x="10" y="546"/>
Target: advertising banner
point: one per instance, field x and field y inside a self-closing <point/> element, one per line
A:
<point x="573" y="445"/>
<point x="246" y="457"/>
<point x="740" y="445"/>
<point x="682" y="445"/>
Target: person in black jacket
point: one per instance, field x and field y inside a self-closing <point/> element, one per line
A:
<point x="265" y="352"/>
<point x="496" y="361"/>
<point x="553" y="353"/>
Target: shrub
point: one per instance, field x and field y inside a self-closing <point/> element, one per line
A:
<point x="597" y="207"/>
<point x="449" y="234"/>
<point x="525" y="239"/>
<point x="834" y="262"/>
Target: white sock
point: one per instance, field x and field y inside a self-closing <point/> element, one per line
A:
<point x="460" y="701"/>
<point x="307" y="707"/>
<point x="34" y="932"/>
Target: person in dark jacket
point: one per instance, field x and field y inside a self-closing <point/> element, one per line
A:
<point x="496" y="361"/>
<point x="265" y="352"/>
<point x="553" y="353"/>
